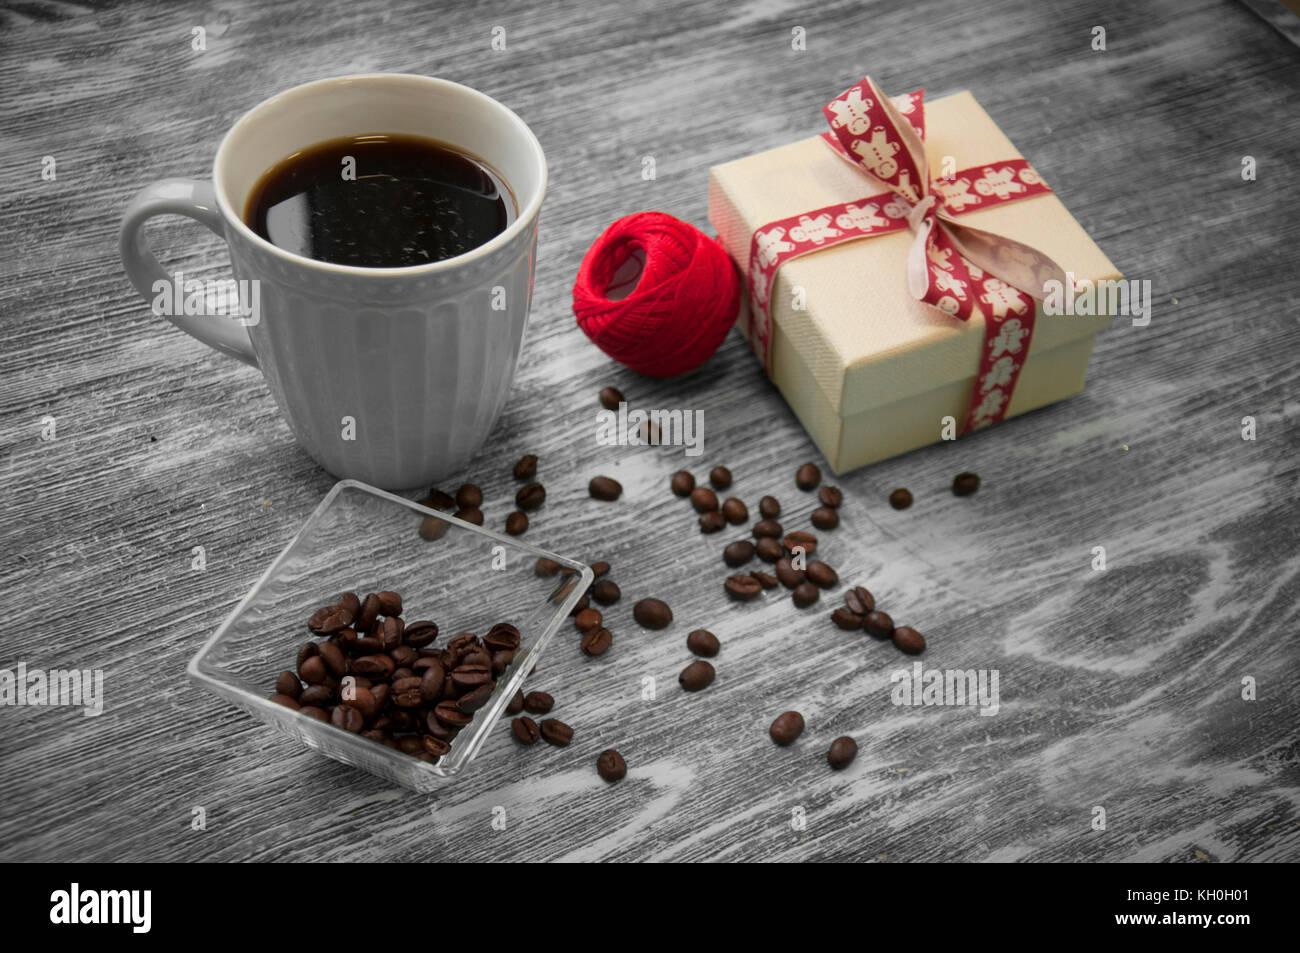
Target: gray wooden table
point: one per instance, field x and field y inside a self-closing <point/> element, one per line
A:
<point x="1121" y="689"/>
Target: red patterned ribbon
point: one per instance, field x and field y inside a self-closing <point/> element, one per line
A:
<point x="950" y="265"/>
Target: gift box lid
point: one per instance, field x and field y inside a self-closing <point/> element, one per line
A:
<point x="865" y="339"/>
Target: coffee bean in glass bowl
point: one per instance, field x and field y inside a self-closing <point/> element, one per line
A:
<point x="808" y="476"/>
<point x="611" y="397"/>
<point x="901" y="498"/>
<point x="704" y="500"/>
<point x="546" y="567"/>
<point x="964" y="484"/>
<point x="611" y="766"/>
<point x="842" y="752"/>
<point x="682" y="483"/>
<point x="697" y="676"/>
<point x="735" y="511"/>
<point x="605" y="488"/>
<point x="787" y="727"/>
<point x="652" y="614"/>
<point x="909" y="640"/>
<point x="720" y="477"/>
<point x="700" y="642"/>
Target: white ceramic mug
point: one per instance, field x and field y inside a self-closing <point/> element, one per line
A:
<point x="393" y="376"/>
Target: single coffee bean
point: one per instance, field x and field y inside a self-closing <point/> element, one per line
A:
<point x="720" y="477"/>
<point x="825" y="518"/>
<point x="909" y="640"/>
<point x="787" y="573"/>
<point x="611" y="397"/>
<point x="451" y="716"/>
<point x="517" y="523"/>
<point x="288" y="701"/>
<point x="501" y="661"/>
<point x="531" y="496"/>
<point x="611" y="766"/>
<point x="313" y="670"/>
<point x="526" y="468"/>
<point x="787" y="727"/>
<point x="581" y="605"/>
<point x="318" y="618"/>
<point x="320" y="714"/>
<point x="316" y="695"/>
<point x="964" y="484"/>
<point x="704" y="500"/>
<point x="587" y="619"/>
<point x="545" y="567"/>
<point x="377" y="665"/>
<point x="503" y="637"/>
<point x="369" y="612"/>
<point x="288" y="684"/>
<point x="697" y="676"/>
<point x="846" y="619"/>
<point x="596" y="641"/>
<point x="900" y="499"/>
<point x="765" y="579"/>
<point x="525" y="730"/>
<point x="859" y="600"/>
<point x="349" y="719"/>
<point x="556" y="732"/>
<point x="822" y="575"/>
<point x="390" y="603"/>
<point x="682" y="483"/>
<point x="605" y="488"/>
<point x="334" y="659"/>
<point x="712" y="522"/>
<point x="831" y="496"/>
<point x="769" y="549"/>
<point x="432" y="528"/>
<point x="435" y="746"/>
<point x="436" y="499"/>
<point x="652" y="614"/>
<point x="769" y="528"/>
<point x="738" y="553"/>
<point x="516" y="703"/>
<point x="432" y="681"/>
<point x="842" y="751"/>
<point x="808" y="476"/>
<point x="599" y="569"/>
<point x="538" y="703"/>
<point x="476" y="698"/>
<point x="804" y="595"/>
<point x="735" y="511"/>
<point x="405" y="692"/>
<point x="350" y="602"/>
<point x="743" y="588"/>
<point x="469" y="497"/>
<point x="703" y="642"/>
<point x="419" y="634"/>
<point x="471" y="674"/>
<point x="800" y="540"/>
<point x="470" y="515"/>
<point x="769" y="507"/>
<point x="606" y="592"/>
<point x="878" y="624"/>
<point x="411" y="745"/>
<point x="390" y="635"/>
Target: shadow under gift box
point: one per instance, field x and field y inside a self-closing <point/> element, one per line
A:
<point x="362" y="540"/>
<point x="870" y="371"/>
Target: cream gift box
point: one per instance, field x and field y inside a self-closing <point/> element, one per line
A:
<point x="870" y="371"/>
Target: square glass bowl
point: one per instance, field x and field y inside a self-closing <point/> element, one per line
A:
<point x="362" y="540"/>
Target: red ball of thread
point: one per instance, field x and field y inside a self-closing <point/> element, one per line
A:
<point x="685" y="301"/>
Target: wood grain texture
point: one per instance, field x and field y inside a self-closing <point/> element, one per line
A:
<point x="1120" y="689"/>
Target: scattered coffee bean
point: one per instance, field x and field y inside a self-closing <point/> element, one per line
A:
<point x="611" y="766"/>
<point x="878" y="624"/>
<point x="804" y="595"/>
<point x="526" y="468"/>
<point x="831" y="496"/>
<point x="470" y="516"/>
<point x="606" y="592"/>
<point x="704" y="500"/>
<point x="743" y="588"/>
<point x="696" y="676"/>
<point x="556" y="733"/>
<point x="525" y="730"/>
<point x="768" y="549"/>
<point x="787" y="727"/>
<point x="859" y="600"/>
<point x="587" y="619"/>
<point x="516" y="703"/>
<point x="964" y="484"/>
<point x="846" y="619"/>
<point x="735" y="511"/>
<point x="682" y="483"/>
<point x="432" y="528"/>
<point x="800" y="540"/>
<point x="822" y="575"/>
<point x="901" y="498"/>
<point x="517" y="523"/>
<point x="531" y="496"/>
<point x="769" y="507"/>
<point x="469" y="497"/>
<point x="599" y="569"/>
<point x="652" y="614"/>
<point x="703" y="642"/>
<point x="787" y="573"/>
<point x="712" y="522"/>
<point x="842" y="751"/>
<point x="909" y="640"/>
<point x="808" y="476"/>
<point x="825" y="518"/>
<point x="611" y="397"/>
<point x="767" y="528"/>
<point x="538" y="703"/>
<point x="765" y="579"/>
<point x="436" y="499"/>
<point x="720" y="477"/>
<point x="605" y="488"/>
<point x="581" y="605"/>
<point x="738" y="553"/>
<point x="596" y="641"/>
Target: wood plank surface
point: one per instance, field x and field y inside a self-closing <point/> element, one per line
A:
<point x="1120" y="689"/>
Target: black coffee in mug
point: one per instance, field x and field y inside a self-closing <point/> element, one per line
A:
<point x="380" y="201"/>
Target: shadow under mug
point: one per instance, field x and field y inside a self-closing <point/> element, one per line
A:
<point x="392" y="376"/>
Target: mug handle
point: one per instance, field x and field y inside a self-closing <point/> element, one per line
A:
<point x="196" y="200"/>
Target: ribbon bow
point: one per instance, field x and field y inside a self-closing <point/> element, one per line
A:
<point x="950" y="265"/>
